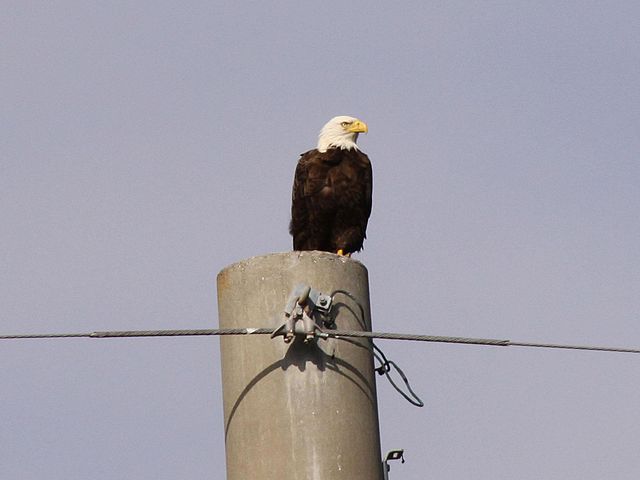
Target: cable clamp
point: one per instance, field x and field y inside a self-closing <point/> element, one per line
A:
<point x="305" y="311"/>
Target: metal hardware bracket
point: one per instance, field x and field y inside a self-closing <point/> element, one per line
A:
<point x="303" y="314"/>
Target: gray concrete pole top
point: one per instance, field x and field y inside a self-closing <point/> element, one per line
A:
<point x="295" y="410"/>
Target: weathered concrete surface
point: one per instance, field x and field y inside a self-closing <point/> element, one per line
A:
<point x="296" y="411"/>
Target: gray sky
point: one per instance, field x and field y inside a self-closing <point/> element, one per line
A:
<point x="147" y="145"/>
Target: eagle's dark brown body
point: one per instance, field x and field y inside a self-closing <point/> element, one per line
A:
<point x="331" y="200"/>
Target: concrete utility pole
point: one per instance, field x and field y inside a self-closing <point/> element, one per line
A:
<point x="297" y="411"/>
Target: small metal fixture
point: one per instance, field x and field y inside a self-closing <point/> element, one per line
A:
<point x="391" y="455"/>
<point x="304" y="312"/>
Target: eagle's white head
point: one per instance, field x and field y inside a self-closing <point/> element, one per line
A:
<point x="341" y="132"/>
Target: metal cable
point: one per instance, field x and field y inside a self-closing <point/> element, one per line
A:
<point x="385" y="368"/>
<point x="144" y="333"/>
<point x="419" y="338"/>
<point x="386" y="365"/>
<point x="574" y="347"/>
<point x="43" y="335"/>
<point x="183" y="333"/>
<point x="323" y="334"/>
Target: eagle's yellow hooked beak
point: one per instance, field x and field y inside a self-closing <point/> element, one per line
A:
<point x="358" y="126"/>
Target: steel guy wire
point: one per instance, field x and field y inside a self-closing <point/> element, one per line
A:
<point x="323" y="334"/>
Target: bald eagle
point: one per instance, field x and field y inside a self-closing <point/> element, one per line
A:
<point x="331" y="200"/>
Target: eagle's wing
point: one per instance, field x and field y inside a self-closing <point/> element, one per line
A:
<point x="368" y="194"/>
<point x="312" y="205"/>
<point x="298" y="227"/>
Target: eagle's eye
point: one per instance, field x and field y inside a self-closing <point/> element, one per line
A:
<point x="345" y="124"/>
